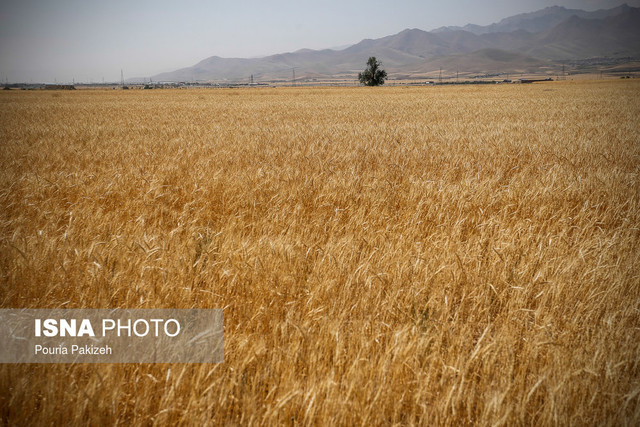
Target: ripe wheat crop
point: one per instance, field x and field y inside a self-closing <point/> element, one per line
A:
<point x="444" y="255"/>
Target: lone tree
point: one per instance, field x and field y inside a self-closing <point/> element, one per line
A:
<point x="373" y="75"/>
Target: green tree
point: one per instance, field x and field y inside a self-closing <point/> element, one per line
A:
<point x="373" y="75"/>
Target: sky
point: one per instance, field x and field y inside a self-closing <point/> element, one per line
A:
<point x="88" y="40"/>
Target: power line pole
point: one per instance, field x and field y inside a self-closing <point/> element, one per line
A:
<point x="440" y="77"/>
<point x="121" y="78"/>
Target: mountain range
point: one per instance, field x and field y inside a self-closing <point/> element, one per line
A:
<point x="538" y="41"/>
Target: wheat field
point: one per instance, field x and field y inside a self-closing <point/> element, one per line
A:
<point x="431" y="256"/>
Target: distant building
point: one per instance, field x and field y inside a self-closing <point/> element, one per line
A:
<point x="60" y="87"/>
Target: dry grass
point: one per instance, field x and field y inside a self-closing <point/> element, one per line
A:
<point x="449" y="255"/>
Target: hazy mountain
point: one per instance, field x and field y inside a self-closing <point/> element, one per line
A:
<point x="412" y="52"/>
<point x="411" y="41"/>
<point x="574" y="38"/>
<point x="535" y="22"/>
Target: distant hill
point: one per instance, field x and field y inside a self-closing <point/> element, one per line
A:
<point x="535" y="22"/>
<point x="575" y="38"/>
<point x="489" y="61"/>
<point x="517" y="44"/>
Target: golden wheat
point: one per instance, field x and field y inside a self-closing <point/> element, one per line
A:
<point x="447" y="255"/>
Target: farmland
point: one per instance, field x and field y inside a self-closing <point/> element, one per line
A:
<point x="424" y="255"/>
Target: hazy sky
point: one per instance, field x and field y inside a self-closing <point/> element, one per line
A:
<point x="88" y="40"/>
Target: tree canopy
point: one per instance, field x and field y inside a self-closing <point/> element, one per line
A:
<point x="373" y="75"/>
